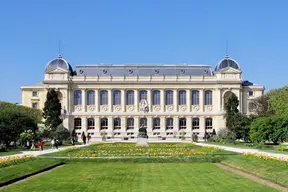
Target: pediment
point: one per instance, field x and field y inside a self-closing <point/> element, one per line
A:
<point x="57" y="70"/>
<point x="230" y="70"/>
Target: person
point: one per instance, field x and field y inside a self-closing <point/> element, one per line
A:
<point x="56" y="144"/>
<point x="40" y="145"/>
<point x="52" y="143"/>
<point x="88" y="138"/>
<point x="33" y="145"/>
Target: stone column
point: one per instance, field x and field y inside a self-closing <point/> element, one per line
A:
<point x="123" y="125"/>
<point x="110" y="126"/>
<point x="176" y="124"/>
<point x="163" y="126"/>
<point x="149" y="100"/>
<point x="136" y="125"/>
<point x="201" y="100"/>
<point x="84" y="100"/>
<point x="123" y="101"/>
<point x="188" y="99"/>
<point x="201" y="128"/>
<point x="136" y="99"/>
<point x="97" y="100"/>
<point x="97" y="126"/>
<point x="162" y="100"/>
<point x="240" y="100"/>
<point x="188" y="127"/>
<point x="84" y="125"/>
<point x="110" y="104"/>
<point x="149" y="126"/>
<point x="175" y="100"/>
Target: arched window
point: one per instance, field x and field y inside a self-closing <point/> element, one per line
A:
<point x="195" y="97"/>
<point x="103" y="97"/>
<point x="169" y="97"/>
<point x="156" y="123"/>
<point x="182" y="97"/>
<point x="182" y="123"/>
<point x="104" y="124"/>
<point x="208" y="97"/>
<point x="116" y="97"/>
<point x="77" y="97"/>
<point x="169" y="123"/>
<point x="130" y="97"/>
<point x="143" y="95"/>
<point x="130" y="123"/>
<point x="90" y="97"/>
<point x="143" y="122"/>
<point x="77" y="123"/>
<point x="91" y="123"/>
<point x="208" y="123"/>
<point x="156" y="97"/>
<point x="195" y="123"/>
<point x="117" y="123"/>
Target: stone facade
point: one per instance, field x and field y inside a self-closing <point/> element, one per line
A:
<point x="179" y="98"/>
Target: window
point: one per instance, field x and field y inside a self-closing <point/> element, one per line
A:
<point x="195" y="123"/>
<point x="130" y="97"/>
<point x="208" y="97"/>
<point x="182" y="97"/>
<point x="116" y="97"/>
<point x="143" y="95"/>
<point x="35" y="105"/>
<point x="169" y="97"/>
<point x="182" y="123"/>
<point x="143" y="122"/>
<point x="104" y="124"/>
<point x="103" y="97"/>
<point x="130" y="123"/>
<point x="208" y="123"/>
<point x="250" y="93"/>
<point x="90" y="97"/>
<point x="91" y="123"/>
<point x="169" y="123"/>
<point x="117" y="123"/>
<point x="156" y="123"/>
<point x="34" y="93"/>
<point x="77" y="123"/>
<point x="195" y="97"/>
<point x="77" y="97"/>
<point x="156" y="97"/>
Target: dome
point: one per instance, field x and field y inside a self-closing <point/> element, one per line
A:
<point x="227" y="62"/>
<point x="60" y="63"/>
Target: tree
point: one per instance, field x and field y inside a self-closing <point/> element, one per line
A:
<point x="61" y="133"/>
<point x="27" y="135"/>
<point x="231" y="109"/>
<point x="52" y="110"/>
<point x="278" y="101"/>
<point x="260" y="107"/>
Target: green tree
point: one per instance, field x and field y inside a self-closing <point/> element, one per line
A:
<point x="27" y="135"/>
<point x="278" y="101"/>
<point x="52" y="110"/>
<point x="61" y="133"/>
<point x="231" y="110"/>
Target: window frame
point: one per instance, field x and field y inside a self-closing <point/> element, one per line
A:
<point x="104" y="97"/>
<point x="90" y="97"/>
<point x="103" y="123"/>
<point x="77" y="123"/>
<point x="182" y="123"/>
<point x="90" y="123"/>
<point x="169" y="97"/>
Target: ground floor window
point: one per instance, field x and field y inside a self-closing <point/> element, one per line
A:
<point x="91" y="123"/>
<point x="195" y="123"/>
<point x="104" y="124"/>
<point x="208" y="123"/>
<point x="130" y="123"/>
<point x="169" y="123"/>
<point x="77" y="123"/>
<point x="117" y="123"/>
<point x="182" y="123"/>
<point x="156" y="123"/>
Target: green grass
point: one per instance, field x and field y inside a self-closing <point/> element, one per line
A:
<point x="21" y="169"/>
<point x="138" y="177"/>
<point x="274" y="171"/>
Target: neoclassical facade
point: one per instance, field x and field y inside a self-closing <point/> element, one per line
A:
<point x="167" y="100"/>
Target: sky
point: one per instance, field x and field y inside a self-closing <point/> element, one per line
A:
<point x="141" y="32"/>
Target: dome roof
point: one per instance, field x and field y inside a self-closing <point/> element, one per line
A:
<point x="227" y="62"/>
<point x="60" y="63"/>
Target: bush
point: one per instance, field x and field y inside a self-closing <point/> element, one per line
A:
<point x="3" y="148"/>
<point x="281" y="148"/>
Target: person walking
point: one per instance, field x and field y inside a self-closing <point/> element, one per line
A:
<point x="40" y="145"/>
<point x="56" y="144"/>
<point x="53" y="143"/>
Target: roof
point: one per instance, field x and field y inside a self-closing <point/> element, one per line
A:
<point x="144" y="70"/>
<point x="59" y="62"/>
<point x="227" y="62"/>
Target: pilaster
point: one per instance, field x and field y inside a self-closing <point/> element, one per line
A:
<point x="84" y="124"/>
<point x="175" y="99"/>
<point x="110" y="126"/>
<point x="201" y="100"/>
<point x="97" y="100"/>
<point x="162" y="100"/>
<point x="176" y="124"/>
<point x="149" y="126"/>
<point x="188" y="99"/>
<point x="97" y="125"/>
<point x="110" y="100"/>
<point x="149" y="100"/>
<point x="123" y="100"/>
<point x="123" y="125"/>
<point x="136" y="99"/>
<point x="84" y="99"/>
<point x="201" y="127"/>
<point x="188" y="127"/>
<point x="163" y="126"/>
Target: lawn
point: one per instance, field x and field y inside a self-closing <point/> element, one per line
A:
<point x="136" y="177"/>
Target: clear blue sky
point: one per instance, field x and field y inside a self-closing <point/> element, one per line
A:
<point x="142" y="31"/>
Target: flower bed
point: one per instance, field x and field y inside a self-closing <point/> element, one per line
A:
<point x="16" y="159"/>
<point x="264" y="157"/>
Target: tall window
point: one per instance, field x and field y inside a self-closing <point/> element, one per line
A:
<point x="103" y="97"/>
<point x="34" y="93"/>
<point x="195" y="97"/>
<point x="117" y="123"/>
<point x="91" y="123"/>
<point x="156" y="97"/>
<point x="169" y="123"/>
<point x="208" y="123"/>
<point x="130" y="97"/>
<point x="195" y="123"/>
<point x="143" y="122"/>
<point x="182" y="97"/>
<point x="169" y="97"/>
<point x="182" y="123"/>
<point x="130" y="123"/>
<point x="90" y="97"/>
<point x="104" y="124"/>
<point x="77" y="123"/>
<point x="156" y="123"/>
<point x="77" y="97"/>
<point x="143" y="95"/>
<point x="208" y="97"/>
<point x="116" y="97"/>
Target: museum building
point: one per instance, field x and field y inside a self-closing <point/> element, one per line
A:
<point x="168" y="100"/>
